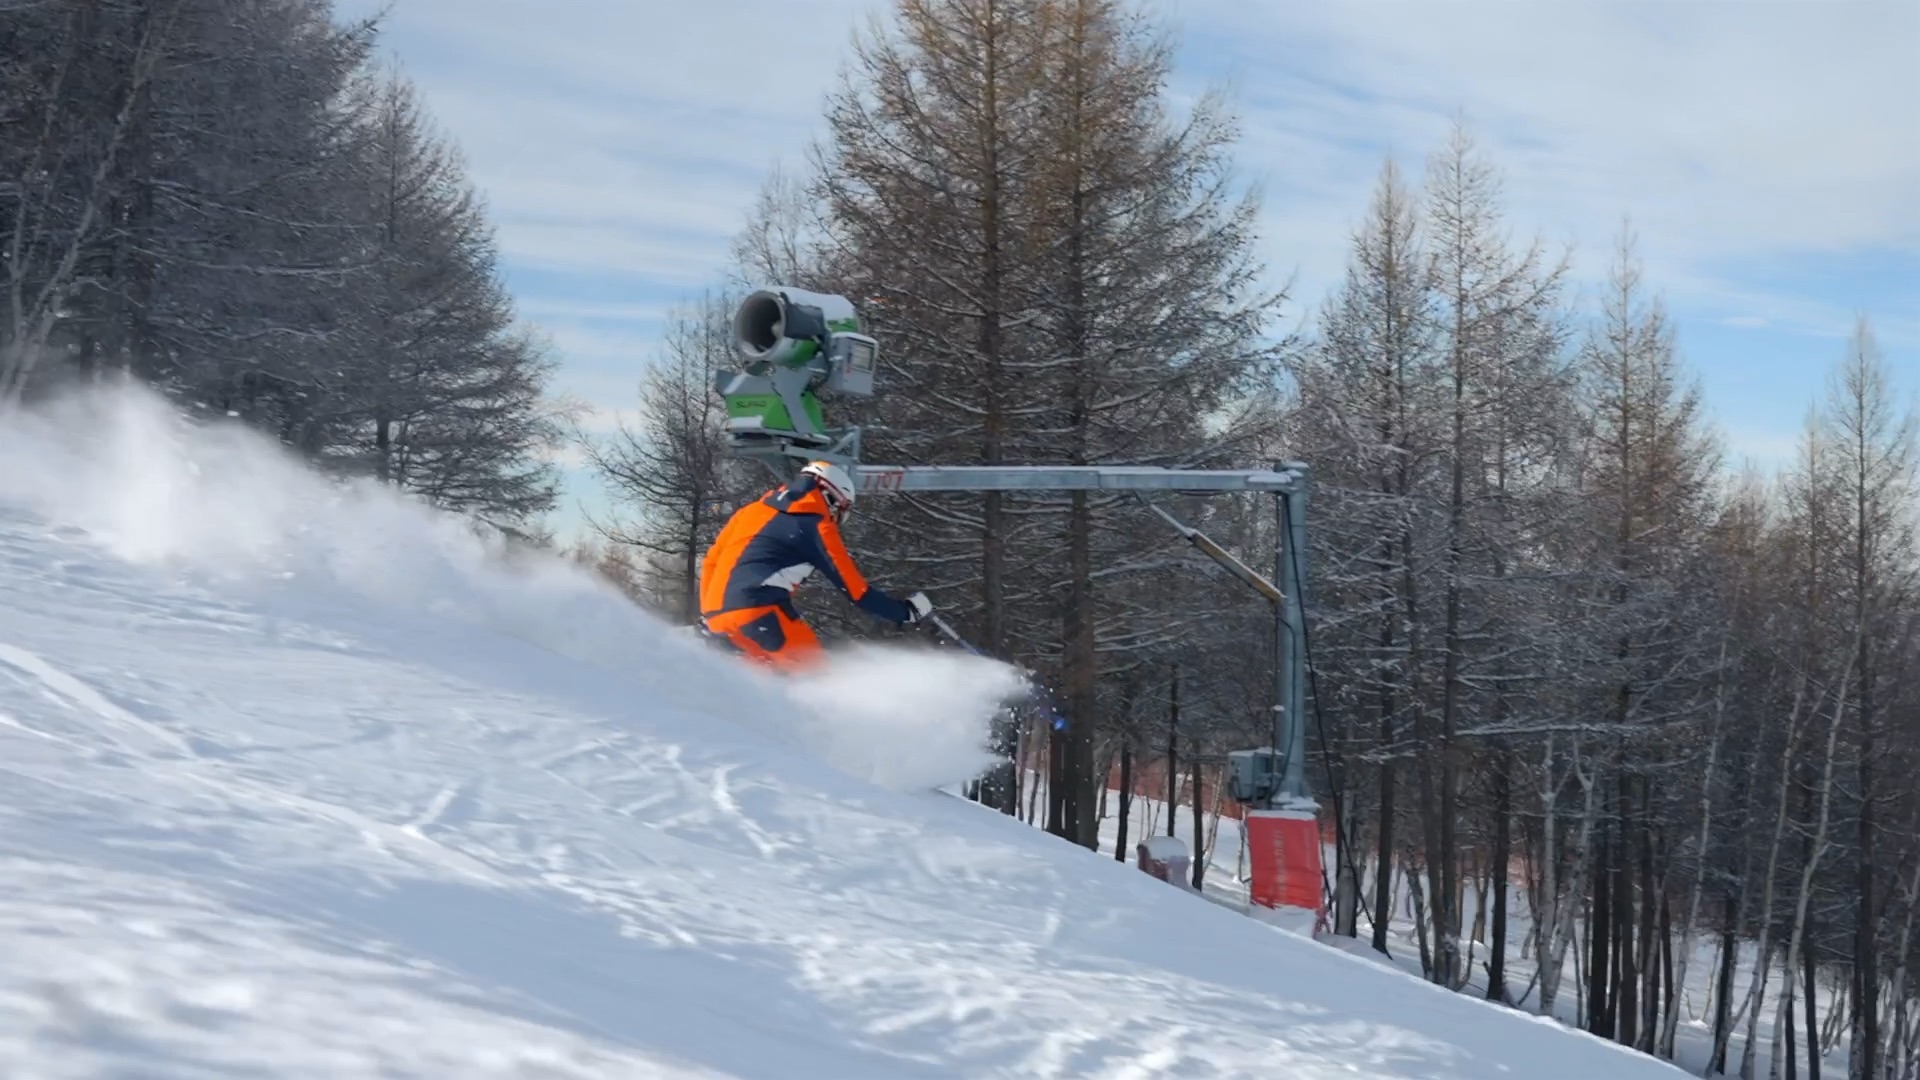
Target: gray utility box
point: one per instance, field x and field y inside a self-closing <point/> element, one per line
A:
<point x="1253" y="776"/>
<point x="850" y="359"/>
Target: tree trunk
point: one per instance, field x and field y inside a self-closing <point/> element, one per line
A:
<point x="1384" y="848"/>
<point x="1438" y="851"/>
<point x="1756" y="994"/>
<point x="1600" y="936"/>
<point x="1043" y="771"/>
<point x="1126" y="796"/>
<point x="1666" y="964"/>
<point x="1018" y="787"/>
<point x="1650" y="904"/>
<point x="1723" y="985"/>
<point x="993" y="425"/>
<point x="1816" y="850"/>
<point x="1899" y="1061"/>
<point x="1864" y="1051"/>
<point x="1783" y="1065"/>
<point x="1420" y="920"/>
<point x="1100" y="802"/>
<point x="1446" y="909"/>
<point x="1173" y="748"/>
<point x="1077" y="805"/>
<point x="1502" y="855"/>
<point x="1813" y="1016"/>
<point x="1346" y="897"/>
<point x="1559" y="936"/>
<point x="1056" y="783"/>
<point x="1677" y="975"/>
<point x="1626" y="986"/>
<point x="1199" y="822"/>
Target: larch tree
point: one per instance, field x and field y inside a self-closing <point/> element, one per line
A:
<point x="225" y="200"/>
<point x="1873" y="444"/>
<point x="444" y="389"/>
<point x="77" y="80"/>
<point x="668" y="470"/>
<point x="1506" y="397"/>
<point x="1647" y="484"/>
<point x="922" y="183"/>
<point x="1367" y="397"/>
<point x="1150" y="322"/>
<point x="235" y="248"/>
<point x="1058" y="273"/>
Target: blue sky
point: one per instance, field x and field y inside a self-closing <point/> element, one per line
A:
<point x="1767" y="153"/>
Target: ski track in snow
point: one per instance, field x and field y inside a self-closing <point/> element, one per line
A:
<point x="85" y="697"/>
<point x="462" y="822"/>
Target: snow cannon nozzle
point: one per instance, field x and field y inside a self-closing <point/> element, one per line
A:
<point x="794" y="346"/>
<point x="783" y="328"/>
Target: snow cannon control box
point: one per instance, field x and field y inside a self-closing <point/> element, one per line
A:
<point x="1253" y="776"/>
<point x="793" y="347"/>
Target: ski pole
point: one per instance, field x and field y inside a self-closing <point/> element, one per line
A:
<point x="950" y="634"/>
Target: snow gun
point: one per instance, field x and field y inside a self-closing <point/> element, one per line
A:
<point x="793" y="346"/>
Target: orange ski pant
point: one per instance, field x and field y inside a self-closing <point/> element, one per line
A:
<point x="771" y="635"/>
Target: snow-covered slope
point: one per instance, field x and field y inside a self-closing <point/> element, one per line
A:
<point x="300" y="781"/>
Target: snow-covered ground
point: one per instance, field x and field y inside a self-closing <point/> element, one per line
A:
<point x="1225" y="883"/>
<point x="301" y="781"/>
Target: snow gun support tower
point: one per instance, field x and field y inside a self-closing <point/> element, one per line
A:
<point x="794" y="345"/>
<point x="797" y="346"/>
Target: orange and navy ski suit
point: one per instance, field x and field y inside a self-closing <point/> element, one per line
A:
<point x="765" y="551"/>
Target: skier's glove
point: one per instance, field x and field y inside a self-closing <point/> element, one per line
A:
<point x="918" y="608"/>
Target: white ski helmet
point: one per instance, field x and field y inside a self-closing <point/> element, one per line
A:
<point x="834" y="481"/>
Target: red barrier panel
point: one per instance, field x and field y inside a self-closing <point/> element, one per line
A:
<point x="1284" y="849"/>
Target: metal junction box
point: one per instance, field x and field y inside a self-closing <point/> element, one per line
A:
<point x="1253" y="776"/>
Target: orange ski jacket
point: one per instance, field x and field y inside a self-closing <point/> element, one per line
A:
<point x="776" y="542"/>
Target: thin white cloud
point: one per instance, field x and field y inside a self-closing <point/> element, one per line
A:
<point x="606" y="421"/>
<point x="1730" y="127"/>
<point x="1767" y="450"/>
<point x="604" y="348"/>
<point x="612" y="135"/>
<point x="1726" y="132"/>
<point x="634" y="134"/>
<point x="1741" y="305"/>
<point x="553" y="307"/>
<point x="625" y="140"/>
<point x="760" y="58"/>
<point x="679" y="262"/>
<point x="567" y="456"/>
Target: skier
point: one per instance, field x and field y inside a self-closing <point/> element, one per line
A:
<point x="767" y="549"/>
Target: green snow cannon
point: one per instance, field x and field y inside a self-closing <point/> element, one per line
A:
<point x="794" y="345"/>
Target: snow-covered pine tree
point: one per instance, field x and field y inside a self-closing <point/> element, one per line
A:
<point x="76" y="84"/>
<point x="227" y="202"/>
<point x="438" y="390"/>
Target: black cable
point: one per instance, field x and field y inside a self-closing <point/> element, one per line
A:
<point x="1343" y="847"/>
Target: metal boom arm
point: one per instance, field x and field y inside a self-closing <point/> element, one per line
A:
<point x="888" y="478"/>
<point x="1289" y="483"/>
